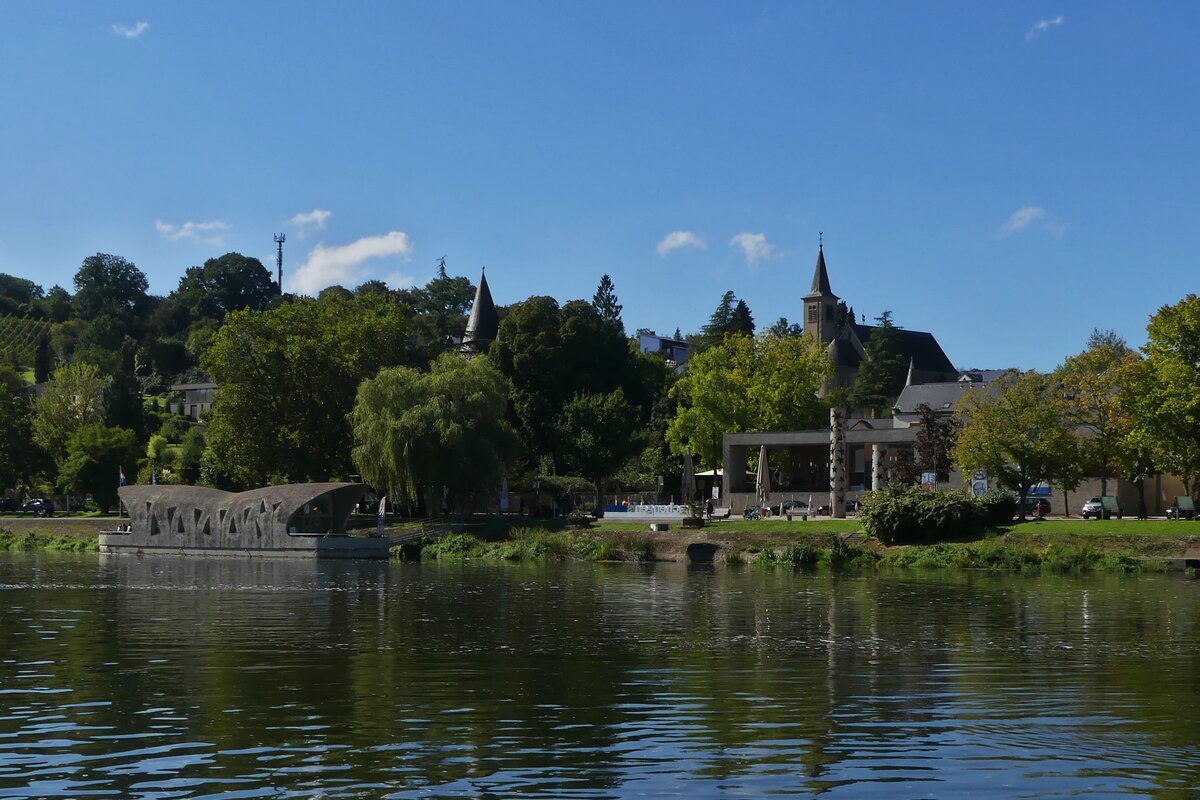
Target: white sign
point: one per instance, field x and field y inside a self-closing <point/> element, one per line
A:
<point x="716" y="493"/>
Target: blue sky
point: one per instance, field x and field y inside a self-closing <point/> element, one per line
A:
<point x="1008" y="176"/>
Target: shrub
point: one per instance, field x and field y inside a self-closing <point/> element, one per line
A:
<point x="451" y="545"/>
<point x="999" y="506"/>
<point x="799" y="555"/>
<point x="578" y="519"/>
<point x="900" y="514"/>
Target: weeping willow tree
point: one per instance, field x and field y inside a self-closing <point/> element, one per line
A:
<point x="418" y="434"/>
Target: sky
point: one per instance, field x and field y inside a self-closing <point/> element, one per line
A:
<point x="1007" y="176"/>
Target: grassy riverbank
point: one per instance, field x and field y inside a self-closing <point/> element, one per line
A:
<point x="1052" y="545"/>
<point x="33" y="540"/>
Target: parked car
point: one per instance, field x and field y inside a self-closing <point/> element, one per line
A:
<point x="1032" y="504"/>
<point x="1102" y="508"/>
<point x="851" y="507"/>
<point x="8" y="505"/>
<point x="1182" y="508"/>
<point x="789" y="507"/>
<point x="40" y="506"/>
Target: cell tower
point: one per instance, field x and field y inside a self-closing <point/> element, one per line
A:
<point x="279" y="240"/>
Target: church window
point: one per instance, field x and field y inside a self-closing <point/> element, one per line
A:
<point x="812" y="313"/>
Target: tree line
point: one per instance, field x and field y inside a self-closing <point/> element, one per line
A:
<point x="370" y="381"/>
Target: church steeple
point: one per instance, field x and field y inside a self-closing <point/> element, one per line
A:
<point x="820" y="304"/>
<point x="484" y="322"/>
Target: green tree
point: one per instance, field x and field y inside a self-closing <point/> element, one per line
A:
<point x="417" y="433"/>
<point x="935" y="442"/>
<point x="1017" y="433"/>
<point x="19" y="457"/>
<point x="123" y="394"/>
<point x="781" y="327"/>
<point x="191" y="455"/>
<point x="1166" y="398"/>
<point x="43" y="359"/>
<point x="288" y="378"/>
<point x="530" y="354"/>
<point x="742" y="321"/>
<point x="596" y="435"/>
<point x="605" y="302"/>
<point x="57" y="305"/>
<point x="73" y="398"/>
<point x="96" y="455"/>
<point x="20" y="296"/>
<point x="231" y="282"/>
<point x="747" y="384"/>
<point x="881" y="377"/>
<point x="1093" y="386"/>
<point x="441" y="307"/>
<point x="107" y="284"/>
<point x="720" y="321"/>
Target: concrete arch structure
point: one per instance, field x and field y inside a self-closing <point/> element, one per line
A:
<point x="297" y="519"/>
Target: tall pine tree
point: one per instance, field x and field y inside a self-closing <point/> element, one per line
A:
<point x="605" y="302"/>
<point x="881" y="376"/>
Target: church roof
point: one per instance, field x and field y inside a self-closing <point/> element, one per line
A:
<point x="820" y="281"/>
<point x="484" y="323"/>
<point x="843" y="354"/>
<point x="924" y="351"/>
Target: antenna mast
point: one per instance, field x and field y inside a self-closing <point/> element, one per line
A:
<point x="279" y="240"/>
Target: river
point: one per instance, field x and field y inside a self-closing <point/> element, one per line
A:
<point x="191" y="678"/>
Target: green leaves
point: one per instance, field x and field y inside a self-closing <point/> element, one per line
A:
<point x="416" y="432"/>
<point x="747" y="384"/>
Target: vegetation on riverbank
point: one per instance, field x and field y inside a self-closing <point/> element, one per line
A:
<point x="1068" y="546"/>
<point x="36" y="540"/>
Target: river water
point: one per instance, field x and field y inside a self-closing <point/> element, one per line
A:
<point x="187" y="678"/>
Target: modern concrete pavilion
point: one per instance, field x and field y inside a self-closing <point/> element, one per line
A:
<point x="867" y="449"/>
<point x="300" y="519"/>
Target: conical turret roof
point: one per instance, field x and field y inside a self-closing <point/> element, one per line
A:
<point x="484" y="322"/>
<point x="820" y="281"/>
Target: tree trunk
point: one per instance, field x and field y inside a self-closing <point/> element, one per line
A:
<point x="599" y="504"/>
<point x="1066" y="503"/>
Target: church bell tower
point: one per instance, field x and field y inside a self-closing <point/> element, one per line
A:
<point x="820" y="304"/>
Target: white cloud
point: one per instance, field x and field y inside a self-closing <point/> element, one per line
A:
<point x="329" y="265"/>
<point x="1043" y="25"/>
<point x="314" y="219"/>
<point x="1022" y="218"/>
<point x="754" y="246"/>
<point x="210" y="231"/>
<point x="131" y="31"/>
<point x="677" y="239"/>
<point x="1029" y="216"/>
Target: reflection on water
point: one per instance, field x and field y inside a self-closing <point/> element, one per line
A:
<point x="189" y="678"/>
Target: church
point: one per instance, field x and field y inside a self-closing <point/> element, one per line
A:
<point x="847" y="339"/>
<point x="856" y="453"/>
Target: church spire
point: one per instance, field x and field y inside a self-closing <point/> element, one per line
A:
<point x="820" y="304"/>
<point x="484" y="323"/>
<point x="911" y="380"/>
<point x="820" y="281"/>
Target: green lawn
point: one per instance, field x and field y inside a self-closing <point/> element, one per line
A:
<point x="1110" y="527"/>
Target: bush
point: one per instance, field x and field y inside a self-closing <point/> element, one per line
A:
<point x="999" y="506"/>
<point x="451" y="545"/>
<point x="899" y="514"/>
<point x="799" y="555"/>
